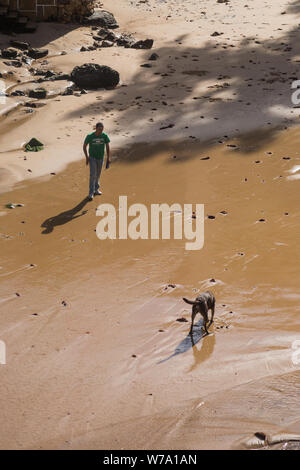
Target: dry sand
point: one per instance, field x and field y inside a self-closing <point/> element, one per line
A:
<point x="95" y="356"/>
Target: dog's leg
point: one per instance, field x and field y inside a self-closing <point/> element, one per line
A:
<point x="204" y="313"/>
<point x="194" y="313"/>
<point x="212" y="314"/>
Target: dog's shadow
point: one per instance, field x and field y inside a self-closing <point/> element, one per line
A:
<point x="191" y="340"/>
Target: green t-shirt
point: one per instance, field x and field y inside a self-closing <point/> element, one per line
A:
<point x="97" y="144"/>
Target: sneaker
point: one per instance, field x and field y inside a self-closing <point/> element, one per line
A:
<point x="90" y="197"/>
<point x="97" y="193"/>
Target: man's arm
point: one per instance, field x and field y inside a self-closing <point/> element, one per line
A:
<point x="107" y="155"/>
<point x="86" y="153"/>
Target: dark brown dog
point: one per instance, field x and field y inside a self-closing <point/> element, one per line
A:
<point x="203" y="303"/>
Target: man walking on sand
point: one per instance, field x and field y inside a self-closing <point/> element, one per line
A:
<point x="97" y="142"/>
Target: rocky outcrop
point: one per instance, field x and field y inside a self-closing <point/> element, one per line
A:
<point x="102" y="18"/>
<point x="93" y="76"/>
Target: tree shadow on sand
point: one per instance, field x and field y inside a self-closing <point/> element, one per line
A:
<point x="225" y="89"/>
<point x="200" y="355"/>
<point x="64" y="217"/>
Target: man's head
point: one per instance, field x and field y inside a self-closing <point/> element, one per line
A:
<point x="99" y="127"/>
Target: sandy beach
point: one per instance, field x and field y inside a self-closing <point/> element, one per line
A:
<point x="95" y="355"/>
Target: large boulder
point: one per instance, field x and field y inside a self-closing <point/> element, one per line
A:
<point x="102" y="18"/>
<point x="93" y="76"/>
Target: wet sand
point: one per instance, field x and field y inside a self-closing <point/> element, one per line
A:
<point x="95" y="355"/>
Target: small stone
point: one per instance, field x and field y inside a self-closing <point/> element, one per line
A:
<point x="260" y="435"/>
<point x="154" y="56"/>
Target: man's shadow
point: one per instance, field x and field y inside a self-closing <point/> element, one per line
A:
<point x="64" y="217"/>
<point x="191" y="340"/>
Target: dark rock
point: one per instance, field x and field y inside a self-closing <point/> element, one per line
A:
<point x="37" y="53"/>
<point x="93" y="76"/>
<point x="83" y="49"/>
<point x="68" y="91"/>
<point x="181" y="319"/>
<point x="13" y="63"/>
<point x="147" y="66"/>
<point x="126" y="40"/>
<point x="39" y="93"/>
<point x="9" y="53"/>
<point x="107" y="44"/>
<point x="39" y="72"/>
<point x="50" y="74"/>
<point x="216" y="34"/>
<point x="23" y="46"/>
<point x="102" y="33"/>
<point x="102" y="18"/>
<point x="144" y="44"/>
<point x="62" y="76"/>
<point x="111" y="36"/>
<point x="154" y="56"/>
<point x="260" y="435"/>
<point x="18" y="93"/>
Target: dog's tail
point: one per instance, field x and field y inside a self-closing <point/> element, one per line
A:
<point x="191" y="302"/>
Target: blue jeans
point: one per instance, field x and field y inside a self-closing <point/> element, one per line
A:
<point x="95" y="172"/>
